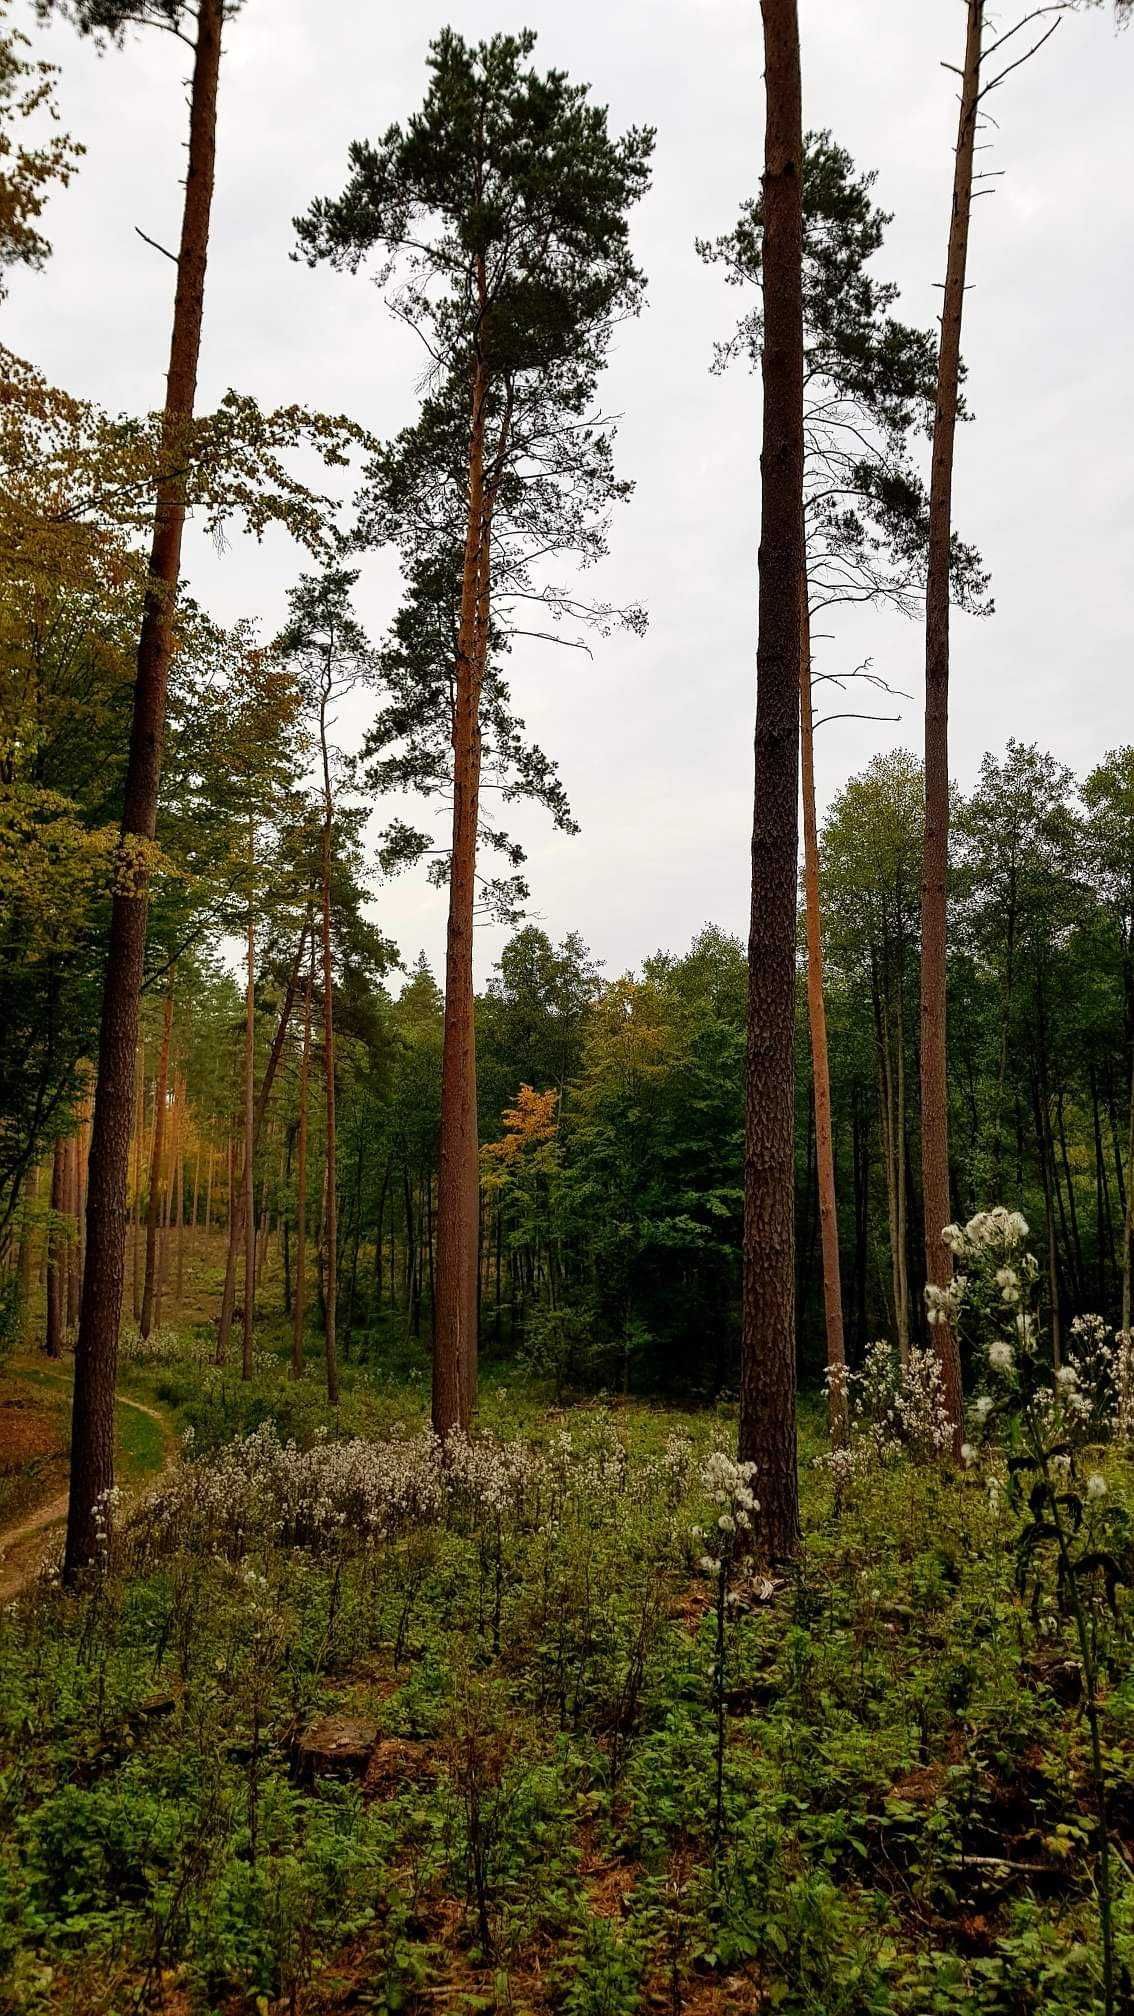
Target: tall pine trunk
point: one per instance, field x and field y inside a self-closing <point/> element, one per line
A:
<point x="935" y="854"/>
<point x="458" y="1181"/>
<point x="53" y="1338"/>
<point x="299" y="1309"/>
<point x="247" y="1194"/>
<point x="139" y="1155"/>
<point x="154" y="1201"/>
<point x="96" y="1351"/>
<point x="331" y="1275"/>
<point x="1128" y="1214"/>
<point x="767" y="1432"/>
<point x="820" y="1063"/>
<point x="235" y="1195"/>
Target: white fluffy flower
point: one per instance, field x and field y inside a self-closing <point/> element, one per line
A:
<point x="1096" y="1485"/>
<point x="1000" y="1355"/>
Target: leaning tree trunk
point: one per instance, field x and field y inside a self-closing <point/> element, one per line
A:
<point x="935" y="854"/>
<point x="767" y="1432"/>
<point x="458" y="1199"/>
<point x="837" y="1399"/>
<point x="96" y="1350"/>
<point x="154" y="1201"/>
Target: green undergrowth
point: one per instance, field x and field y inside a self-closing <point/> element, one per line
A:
<point x="527" y="1666"/>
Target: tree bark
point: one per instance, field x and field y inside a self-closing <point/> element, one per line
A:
<point x="154" y="1200"/>
<point x="139" y="1157"/>
<point x="299" y="1308"/>
<point x="96" y="1353"/>
<point x="1128" y="1214"/>
<point x="935" y="850"/>
<point x="53" y="1339"/>
<point x="331" y="1276"/>
<point x="235" y="1215"/>
<point x="71" y="1249"/>
<point x="767" y="1433"/>
<point x="820" y="1062"/>
<point x="247" y="1193"/>
<point x="209" y="1196"/>
<point x="179" y="1203"/>
<point x="458" y="1183"/>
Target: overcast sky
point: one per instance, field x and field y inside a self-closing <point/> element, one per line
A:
<point x="654" y="736"/>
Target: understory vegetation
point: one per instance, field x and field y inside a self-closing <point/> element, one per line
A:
<point x="346" y="1722"/>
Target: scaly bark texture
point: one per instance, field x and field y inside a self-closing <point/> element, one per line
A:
<point x="139" y="1152"/>
<point x="458" y="1179"/>
<point x="157" y="1151"/>
<point x="767" y="1377"/>
<point x="53" y="1339"/>
<point x="96" y="1350"/>
<point x="935" y="853"/>
<point x="247" y="1192"/>
<point x="331" y="1277"/>
<point x="820" y="1064"/>
<point x="299" y="1309"/>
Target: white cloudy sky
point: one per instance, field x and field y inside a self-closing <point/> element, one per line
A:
<point x="654" y="736"/>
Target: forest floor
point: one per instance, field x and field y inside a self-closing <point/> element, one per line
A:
<point x="341" y="1728"/>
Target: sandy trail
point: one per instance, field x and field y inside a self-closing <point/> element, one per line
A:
<point x="20" y="1559"/>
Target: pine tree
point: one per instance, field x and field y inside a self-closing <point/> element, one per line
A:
<point x="767" y="1433"/>
<point x="96" y="1351"/>
<point x="504" y="203"/>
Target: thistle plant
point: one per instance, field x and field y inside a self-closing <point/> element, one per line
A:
<point x="727" y="1546"/>
<point x="894" y="1409"/>
<point x="1071" y="1544"/>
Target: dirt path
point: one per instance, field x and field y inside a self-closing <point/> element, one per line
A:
<point x="20" y="1560"/>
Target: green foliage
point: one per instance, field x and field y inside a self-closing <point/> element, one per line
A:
<point x="902" y="1748"/>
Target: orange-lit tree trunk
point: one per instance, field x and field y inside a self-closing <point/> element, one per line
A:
<point x="96" y="1354"/>
<point x="767" y="1432"/>
<point x="820" y="1063"/>
<point x="458" y="1179"/>
<point x="179" y="1201"/>
<point x="235" y="1192"/>
<point x="139" y="1154"/>
<point x="53" y="1338"/>
<point x="157" y="1149"/>
<point x="299" y="1309"/>
<point x="247" y="1189"/>
<point x="935" y="855"/>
